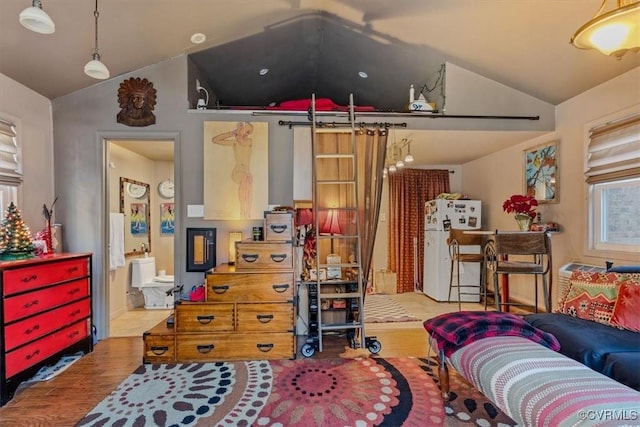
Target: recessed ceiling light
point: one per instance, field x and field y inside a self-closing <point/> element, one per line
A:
<point x="198" y="38"/>
<point x="363" y="74"/>
<point x="264" y="71"/>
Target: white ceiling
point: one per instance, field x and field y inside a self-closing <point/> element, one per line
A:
<point x="523" y="44"/>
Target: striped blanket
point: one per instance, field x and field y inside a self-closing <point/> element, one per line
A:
<point x="536" y="386"/>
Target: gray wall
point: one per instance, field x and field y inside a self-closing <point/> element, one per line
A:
<point x="82" y="120"/>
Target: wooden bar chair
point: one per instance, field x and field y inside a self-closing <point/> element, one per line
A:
<point x="460" y="247"/>
<point x="525" y="252"/>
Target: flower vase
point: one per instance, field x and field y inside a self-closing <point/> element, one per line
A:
<point x="524" y="221"/>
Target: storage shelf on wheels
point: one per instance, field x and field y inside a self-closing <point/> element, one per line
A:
<point x="336" y="297"/>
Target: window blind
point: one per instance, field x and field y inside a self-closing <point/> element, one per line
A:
<point x="10" y="164"/>
<point x="614" y="150"/>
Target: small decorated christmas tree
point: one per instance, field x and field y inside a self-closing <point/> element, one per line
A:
<point x="15" y="237"/>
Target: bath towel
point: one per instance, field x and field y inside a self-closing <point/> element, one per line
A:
<point x="116" y="240"/>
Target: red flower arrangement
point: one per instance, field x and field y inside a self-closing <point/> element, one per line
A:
<point x="520" y="204"/>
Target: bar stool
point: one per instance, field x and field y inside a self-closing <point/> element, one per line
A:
<point x="459" y="251"/>
<point x="505" y="245"/>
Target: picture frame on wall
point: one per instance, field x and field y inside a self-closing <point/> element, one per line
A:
<point x="541" y="172"/>
<point x="167" y="218"/>
<point x="201" y="249"/>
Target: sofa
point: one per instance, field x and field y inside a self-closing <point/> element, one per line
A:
<point x="597" y="322"/>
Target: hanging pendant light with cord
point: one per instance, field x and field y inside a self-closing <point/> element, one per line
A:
<point x="95" y="68"/>
<point x="36" y="19"/>
<point x="613" y="33"/>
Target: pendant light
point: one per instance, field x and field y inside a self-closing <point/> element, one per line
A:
<point x="36" y="19"/>
<point x="612" y="33"/>
<point x="95" y="68"/>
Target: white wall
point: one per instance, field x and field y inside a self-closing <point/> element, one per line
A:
<point x="33" y="113"/>
<point x="496" y="177"/>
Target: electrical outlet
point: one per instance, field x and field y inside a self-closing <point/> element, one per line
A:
<point x="197" y="85"/>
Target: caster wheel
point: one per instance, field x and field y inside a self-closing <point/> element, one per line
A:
<point x="374" y="347"/>
<point x="307" y="350"/>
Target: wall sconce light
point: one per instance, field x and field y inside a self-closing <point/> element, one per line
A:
<point x="35" y="19"/>
<point x="612" y="33"/>
<point x="234" y="236"/>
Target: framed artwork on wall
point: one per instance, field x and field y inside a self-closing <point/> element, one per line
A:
<point x="167" y="218"/>
<point x="201" y="249"/>
<point x="541" y="172"/>
<point x="236" y="170"/>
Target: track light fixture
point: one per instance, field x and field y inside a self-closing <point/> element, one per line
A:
<point x="36" y="19"/>
<point x="95" y="68"/>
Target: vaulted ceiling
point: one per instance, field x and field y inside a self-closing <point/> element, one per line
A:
<point x="315" y="46"/>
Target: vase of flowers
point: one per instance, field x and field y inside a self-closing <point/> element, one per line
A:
<point x="524" y="209"/>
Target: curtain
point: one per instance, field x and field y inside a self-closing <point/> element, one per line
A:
<point x="409" y="189"/>
<point x="371" y="144"/>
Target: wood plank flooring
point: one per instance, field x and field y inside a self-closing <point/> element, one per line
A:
<point x="64" y="400"/>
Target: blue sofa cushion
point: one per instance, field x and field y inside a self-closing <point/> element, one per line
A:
<point x="623" y="367"/>
<point x="624" y="269"/>
<point x="586" y="341"/>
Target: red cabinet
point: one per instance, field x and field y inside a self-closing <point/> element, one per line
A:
<point x="45" y="313"/>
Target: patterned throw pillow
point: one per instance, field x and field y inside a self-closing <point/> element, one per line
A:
<point x="590" y="296"/>
<point x="626" y="313"/>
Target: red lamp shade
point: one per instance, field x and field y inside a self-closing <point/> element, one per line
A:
<point x="331" y="225"/>
<point x="304" y="217"/>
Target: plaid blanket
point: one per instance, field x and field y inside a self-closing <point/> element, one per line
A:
<point x="452" y="331"/>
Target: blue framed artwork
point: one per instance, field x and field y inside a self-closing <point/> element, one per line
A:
<point x="138" y="218"/>
<point x="167" y="218"/>
<point x="541" y="172"/>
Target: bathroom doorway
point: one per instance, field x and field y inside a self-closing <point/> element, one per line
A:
<point x="150" y="162"/>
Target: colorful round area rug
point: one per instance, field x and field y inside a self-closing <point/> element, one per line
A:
<point x="302" y="392"/>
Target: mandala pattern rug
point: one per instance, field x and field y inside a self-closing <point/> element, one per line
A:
<point x="381" y="309"/>
<point x="301" y="392"/>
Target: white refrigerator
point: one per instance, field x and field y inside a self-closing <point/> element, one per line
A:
<point x="440" y="216"/>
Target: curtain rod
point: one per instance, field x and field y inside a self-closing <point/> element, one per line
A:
<point x="432" y="115"/>
<point x="341" y="124"/>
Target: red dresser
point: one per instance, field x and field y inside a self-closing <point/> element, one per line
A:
<point x="45" y="313"/>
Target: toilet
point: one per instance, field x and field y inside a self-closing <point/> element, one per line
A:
<point x="157" y="290"/>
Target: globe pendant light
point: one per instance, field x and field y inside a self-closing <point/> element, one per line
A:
<point x="95" y="68"/>
<point x="36" y="19"/>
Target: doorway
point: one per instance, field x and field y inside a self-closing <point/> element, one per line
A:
<point x="150" y="162"/>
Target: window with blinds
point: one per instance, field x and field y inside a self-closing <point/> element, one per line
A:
<point x="613" y="174"/>
<point x="10" y="162"/>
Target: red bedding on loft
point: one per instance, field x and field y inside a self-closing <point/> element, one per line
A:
<point x="322" y="104"/>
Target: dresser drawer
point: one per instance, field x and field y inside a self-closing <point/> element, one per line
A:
<point x="34" y="327"/>
<point x="24" y="279"/>
<point x="24" y="357"/>
<point x="259" y="317"/>
<point x="234" y="287"/>
<point x="159" y="348"/>
<point x="264" y="256"/>
<point x="24" y="305"/>
<point x="208" y="317"/>
<point x="214" y="347"/>
<point x="278" y="226"/>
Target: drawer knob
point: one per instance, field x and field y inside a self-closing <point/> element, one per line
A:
<point x="73" y="291"/>
<point x="205" y="348"/>
<point x="205" y="320"/>
<point x="158" y="351"/>
<point x="220" y="289"/>
<point x="278" y="257"/>
<point x="280" y="288"/>
<point x="71" y="270"/>
<point x="264" y="318"/>
<point x="264" y="347"/>
<point x="279" y="228"/>
<point x="32" y="355"/>
<point x="250" y="257"/>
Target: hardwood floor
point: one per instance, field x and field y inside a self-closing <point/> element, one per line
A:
<point x="65" y="399"/>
